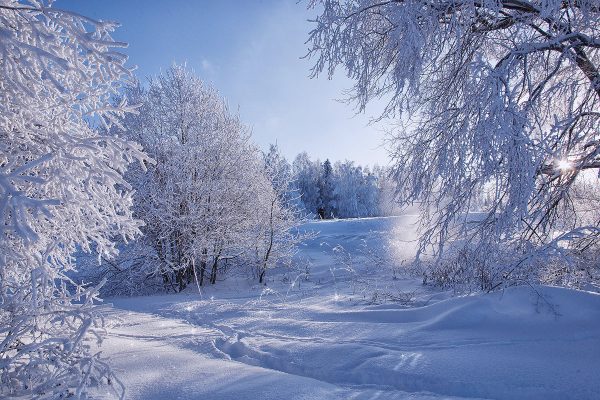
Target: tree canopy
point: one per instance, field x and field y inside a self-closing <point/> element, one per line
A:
<point x="495" y="97"/>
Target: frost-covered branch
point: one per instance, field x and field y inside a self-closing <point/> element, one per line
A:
<point x="61" y="191"/>
<point x="497" y="100"/>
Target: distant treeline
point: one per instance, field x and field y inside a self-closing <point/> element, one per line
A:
<point x="325" y="190"/>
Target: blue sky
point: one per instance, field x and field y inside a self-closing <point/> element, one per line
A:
<point x="251" y="52"/>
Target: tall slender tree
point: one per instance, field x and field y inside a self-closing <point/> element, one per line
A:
<point x="327" y="200"/>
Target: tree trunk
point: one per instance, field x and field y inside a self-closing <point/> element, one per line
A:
<point x="181" y="281"/>
<point x="213" y="274"/>
<point x="203" y="266"/>
<point x="261" y="276"/>
<point x="269" y="248"/>
<point x="202" y="270"/>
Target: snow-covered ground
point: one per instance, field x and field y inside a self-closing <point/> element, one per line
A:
<point x="332" y="331"/>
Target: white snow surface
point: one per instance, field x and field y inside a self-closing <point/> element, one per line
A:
<point x="326" y="336"/>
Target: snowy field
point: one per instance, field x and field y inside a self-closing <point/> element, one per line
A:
<point x="339" y="329"/>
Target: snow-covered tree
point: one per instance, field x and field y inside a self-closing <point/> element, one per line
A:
<point x="369" y="193"/>
<point x="342" y="190"/>
<point x="327" y="200"/>
<point x="211" y="202"/>
<point x="197" y="199"/>
<point x="346" y="187"/>
<point x="282" y="176"/>
<point x="495" y="96"/>
<point x="355" y="191"/>
<point x="307" y="175"/>
<point x="61" y="191"/>
<point x="276" y="216"/>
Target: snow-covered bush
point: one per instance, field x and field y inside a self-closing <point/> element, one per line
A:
<point x="495" y="97"/>
<point x="61" y="191"/>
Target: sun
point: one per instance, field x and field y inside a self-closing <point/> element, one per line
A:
<point x="564" y="166"/>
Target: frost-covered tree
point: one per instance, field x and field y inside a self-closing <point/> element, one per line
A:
<point x="307" y="175"/>
<point x="355" y="190"/>
<point x="198" y="198"/>
<point x="342" y="190"/>
<point x="496" y="96"/>
<point x="282" y="176"/>
<point x="211" y="201"/>
<point x="327" y="200"/>
<point x="346" y="187"/>
<point x="276" y="215"/>
<point x="369" y="193"/>
<point x="61" y="191"/>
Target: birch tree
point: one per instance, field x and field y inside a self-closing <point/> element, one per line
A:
<point x="494" y="96"/>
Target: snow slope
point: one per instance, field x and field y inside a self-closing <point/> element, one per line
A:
<point x="320" y="338"/>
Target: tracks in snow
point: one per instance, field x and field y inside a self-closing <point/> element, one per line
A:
<point x="148" y="348"/>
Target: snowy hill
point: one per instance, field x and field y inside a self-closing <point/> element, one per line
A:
<point x="320" y="335"/>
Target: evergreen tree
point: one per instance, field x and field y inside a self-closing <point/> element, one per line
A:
<point x="326" y="185"/>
